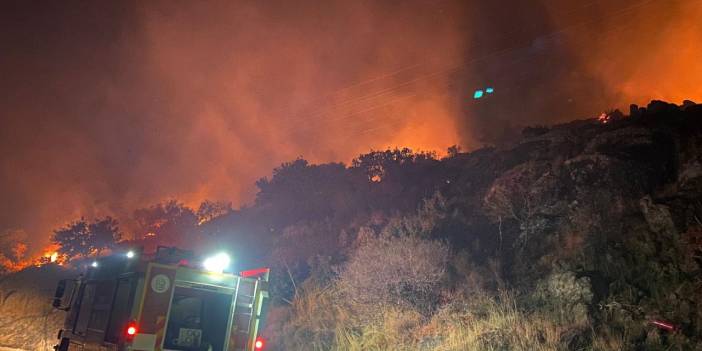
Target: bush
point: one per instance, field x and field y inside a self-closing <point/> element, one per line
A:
<point x="564" y="297"/>
<point x="401" y="272"/>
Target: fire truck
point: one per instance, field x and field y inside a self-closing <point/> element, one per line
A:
<point x="160" y="302"/>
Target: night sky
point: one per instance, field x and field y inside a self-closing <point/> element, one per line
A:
<point x="109" y="106"/>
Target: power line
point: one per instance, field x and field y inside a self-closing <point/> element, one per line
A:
<point x="323" y="111"/>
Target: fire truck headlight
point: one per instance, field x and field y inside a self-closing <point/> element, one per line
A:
<point x="130" y="254"/>
<point x="217" y="263"/>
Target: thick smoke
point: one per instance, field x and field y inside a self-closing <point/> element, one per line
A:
<point x="563" y="60"/>
<point x="642" y="50"/>
<point x="107" y="107"/>
<point x="113" y="106"/>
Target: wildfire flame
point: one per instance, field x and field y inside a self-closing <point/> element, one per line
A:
<point x="50" y="255"/>
<point x="603" y="118"/>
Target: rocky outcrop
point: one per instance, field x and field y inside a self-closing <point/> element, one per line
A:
<point x="610" y="208"/>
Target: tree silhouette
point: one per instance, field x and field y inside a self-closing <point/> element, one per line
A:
<point x="210" y="210"/>
<point x="73" y="239"/>
<point x="82" y="239"/>
<point x="104" y="233"/>
<point x="170" y="223"/>
<point x="299" y="191"/>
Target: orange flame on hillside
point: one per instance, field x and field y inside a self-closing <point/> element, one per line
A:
<point x="20" y="261"/>
<point x="50" y="255"/>
<point x="603" y="118"/>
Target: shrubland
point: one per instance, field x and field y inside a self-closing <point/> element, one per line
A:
<point x="579" y="236"/>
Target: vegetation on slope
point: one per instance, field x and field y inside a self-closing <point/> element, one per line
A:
<point x="578" y="236"/>
<point x="581" y="236"/>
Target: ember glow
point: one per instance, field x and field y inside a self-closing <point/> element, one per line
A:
<point x="115" y="106"/>
<point x="603" y="117"/>
<point x="50" y="255"/>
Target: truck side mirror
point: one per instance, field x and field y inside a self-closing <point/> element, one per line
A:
<point x="58" y="294"/>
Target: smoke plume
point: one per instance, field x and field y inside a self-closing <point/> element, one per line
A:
<point x="111" y="106"/>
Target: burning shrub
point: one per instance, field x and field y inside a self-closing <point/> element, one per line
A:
<point x="13" y="249"/>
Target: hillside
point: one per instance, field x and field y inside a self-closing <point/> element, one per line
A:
<point x="576" y="236"/>
<point x="27" y="320"/>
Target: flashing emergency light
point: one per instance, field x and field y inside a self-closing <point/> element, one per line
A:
<point x="489" y="90"/>
<point x="130" y="254"/>
<point x="478" y="94"/>
<point x="94" y="264"/>
<point x="258" y="345"/>
<point x="217" y="263"/>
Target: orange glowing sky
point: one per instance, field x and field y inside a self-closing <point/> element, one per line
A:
<point x="115" y="105"/>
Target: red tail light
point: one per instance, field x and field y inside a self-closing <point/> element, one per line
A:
<point x="260" y="342"/>
<point x="131" y="330"/>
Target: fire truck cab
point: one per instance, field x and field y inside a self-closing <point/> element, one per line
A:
<point x="130" y="302"/>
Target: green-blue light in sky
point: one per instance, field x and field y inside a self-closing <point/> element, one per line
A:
<point x="478" y="94"/>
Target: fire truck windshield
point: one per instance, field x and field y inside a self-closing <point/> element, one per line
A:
<point x="197" y="320"/>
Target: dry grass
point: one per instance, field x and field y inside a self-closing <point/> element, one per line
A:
<point x="27" y="320"/>
<point x="487" y="323"/>
<point x="314" y="321"/>
<point x="319" y="321"/>
<point x="606" y="342"/>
